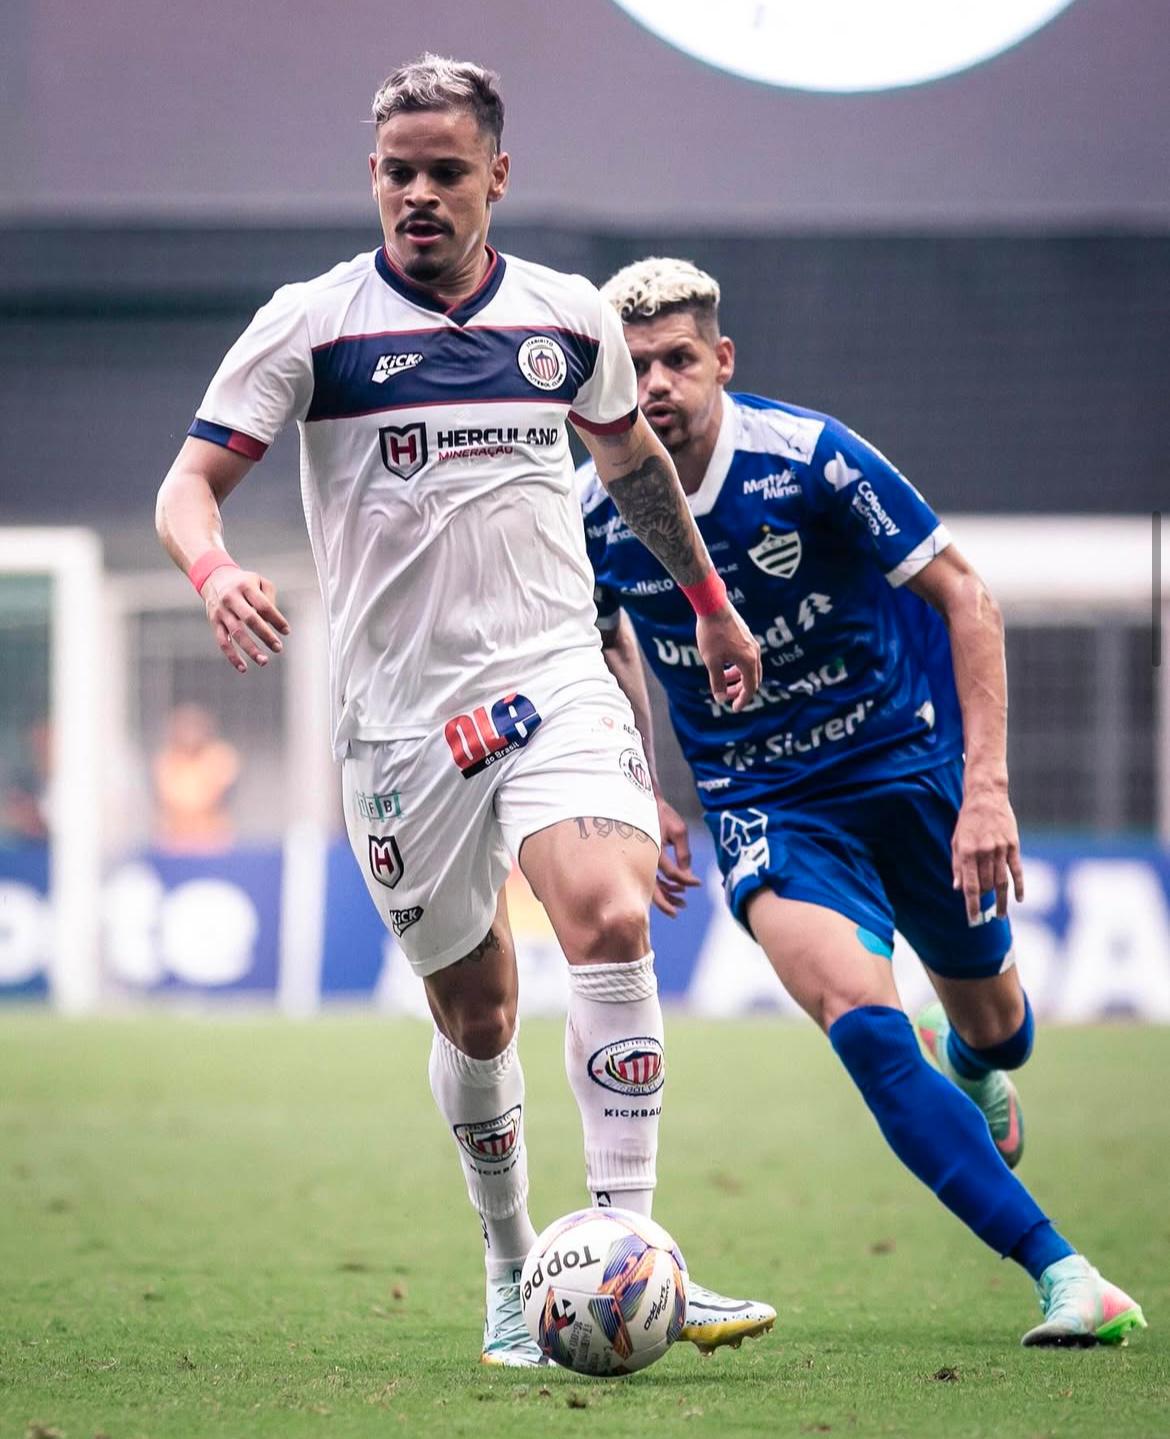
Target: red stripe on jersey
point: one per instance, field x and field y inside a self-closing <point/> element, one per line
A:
<point x="610" y="427"/>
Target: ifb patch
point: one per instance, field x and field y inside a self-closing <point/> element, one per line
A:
<point x="777" y="553"/>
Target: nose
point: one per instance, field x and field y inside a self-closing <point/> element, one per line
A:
<point x="657" y="379"/>
<point x="419" y="195"/>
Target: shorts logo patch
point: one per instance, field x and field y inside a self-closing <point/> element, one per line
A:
<point x="634" y="767"/>
<point x="404" y="449"/>
<point x="777" y="553"/>
<point x="402" y="919"/>
<point x="491" y="1140"/>
<point x="385" y="859"/>
<point x="542" y="362"/>
<point x="629" y="1066"/>
<point x="479" y="740"/>
<point x="379" y="806"/>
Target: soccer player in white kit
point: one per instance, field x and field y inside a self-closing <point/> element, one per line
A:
<point x="431" y="381"/>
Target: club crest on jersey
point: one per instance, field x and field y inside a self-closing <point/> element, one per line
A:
<point x="404" y="449"/>
<point x="491" y="1140"/>
<point x="390" y="365"/>
<point x="385" y="860"/>
<point x="629" y="1066"/>
<point x="542" y="362"/>
<point x="777" y="553"/>
<point x="480" y="739"/>
<point x="634" y="767"/>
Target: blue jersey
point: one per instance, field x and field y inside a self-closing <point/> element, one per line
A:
<point x="815" y="534"/>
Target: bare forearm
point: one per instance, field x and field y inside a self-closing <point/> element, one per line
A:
<point x="977" y="648"/>
<point x="187" y="517"/>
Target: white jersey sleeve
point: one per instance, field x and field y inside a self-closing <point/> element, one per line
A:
<point x="264" y="381"/>
<point x="607" y="403"/>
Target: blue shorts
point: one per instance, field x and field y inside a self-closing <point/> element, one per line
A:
<point x="879" y="855"/>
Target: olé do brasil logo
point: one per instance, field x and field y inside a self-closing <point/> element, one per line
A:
<point x="480" y="739"/>
<point x="629" y="1066"/>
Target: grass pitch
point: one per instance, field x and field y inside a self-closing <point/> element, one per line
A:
<point x="244" y="1227"/>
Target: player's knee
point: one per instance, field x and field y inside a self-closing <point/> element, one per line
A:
<point x="485" y="1032"/>
<point x="610" y="931"/>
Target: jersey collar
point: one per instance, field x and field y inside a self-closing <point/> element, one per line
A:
<point x="702" y="502"/>
<point x="428" y="300"/>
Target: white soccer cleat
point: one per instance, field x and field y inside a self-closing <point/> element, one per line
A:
<point x="506" y="1340"/>
<point x="1081" y="1309"/>
<point x="714" y="1320"/>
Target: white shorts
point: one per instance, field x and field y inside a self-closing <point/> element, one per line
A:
<point x="435" y="822"/>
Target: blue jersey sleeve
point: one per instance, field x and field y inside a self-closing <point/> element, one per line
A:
<point x="873" y="505"/>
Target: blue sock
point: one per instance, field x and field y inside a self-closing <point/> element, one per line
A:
<point x="937" y="1132"/>
<point x="1010" y="1053"/>
<point x="1040" y="1247"/>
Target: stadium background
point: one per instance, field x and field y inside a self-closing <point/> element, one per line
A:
<point x="974" y="273"/>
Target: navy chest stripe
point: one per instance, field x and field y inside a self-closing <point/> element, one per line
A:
<point x="442" y="367"/>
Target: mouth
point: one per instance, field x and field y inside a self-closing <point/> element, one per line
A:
<point x="660" y="416"/>
<point x="423" y="232"/>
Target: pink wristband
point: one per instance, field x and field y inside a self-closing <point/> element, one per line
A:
<point x="707" y="597"/>
<point x="208" y="561"/>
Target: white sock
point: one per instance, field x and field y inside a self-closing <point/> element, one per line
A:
<point x="483" y="1102"/>
<point x="614" y="1059"/>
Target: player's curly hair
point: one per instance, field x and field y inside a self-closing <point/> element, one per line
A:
<point x="658" y="286"/>
<point x="434" y="82"/>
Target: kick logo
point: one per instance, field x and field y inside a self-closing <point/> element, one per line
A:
<point x="402" y="919"/>
<point x="385" y="860"/>
<point x="390" y="365"/>
<point x="479" y="740"/>
<point x="629" y="1066"/>
<point x="777" y="554"/>
<point x="491" y="1140"/>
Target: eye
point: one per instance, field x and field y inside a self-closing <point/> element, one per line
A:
<point x="640" y="368"/>
<point x="397" y="174"/>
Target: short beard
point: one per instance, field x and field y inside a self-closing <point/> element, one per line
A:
<point x="423" y="269"/>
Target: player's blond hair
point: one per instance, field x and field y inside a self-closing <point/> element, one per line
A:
<point x="659" y="285"/>
<point x="434" y="82"/>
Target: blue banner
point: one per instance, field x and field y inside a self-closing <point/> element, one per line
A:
<point x="1092" y="938"/>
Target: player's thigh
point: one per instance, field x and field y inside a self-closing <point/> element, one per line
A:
<point x="826" y="961"/>
<point x="913" y="854"/>
<point x="473" y="1000"/>
<point x="428" y="845"/>
<point x="578" y="811"/>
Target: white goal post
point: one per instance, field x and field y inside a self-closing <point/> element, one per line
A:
<point x="71" y="559"/>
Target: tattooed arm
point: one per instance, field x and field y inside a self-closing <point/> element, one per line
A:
<point x="641" y="480"/>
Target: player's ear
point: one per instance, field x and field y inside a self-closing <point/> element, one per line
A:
<point x="500" y="170"/>
<point x="725" y="354"/>
<point x="374" y="175"/>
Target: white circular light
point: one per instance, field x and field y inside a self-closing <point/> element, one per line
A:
<point x="843" y="45"/>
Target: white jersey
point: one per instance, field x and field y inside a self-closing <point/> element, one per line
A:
<point x="436" y="475"/>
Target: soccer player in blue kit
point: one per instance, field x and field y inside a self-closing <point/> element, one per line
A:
<point x="865" y="786"/>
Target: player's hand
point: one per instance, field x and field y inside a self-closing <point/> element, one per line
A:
<point x="985" y="849"/>
<point x="674" y="872"/>
<point x="731" y="654"/>
<point x="241" y="609"/>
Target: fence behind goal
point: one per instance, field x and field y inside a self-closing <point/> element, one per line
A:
<point x="99" y="907"/>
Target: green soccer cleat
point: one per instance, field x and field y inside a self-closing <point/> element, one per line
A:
<point x="713" y="1320"/>
<point x="995" y="1094"/>
<point x="1081" y="1309"/>
<point x="506" y="1340"/>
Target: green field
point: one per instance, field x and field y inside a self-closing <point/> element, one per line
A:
<point x="247" y="1227"/>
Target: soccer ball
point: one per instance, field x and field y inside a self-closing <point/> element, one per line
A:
<point x="604" y="1291"/>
